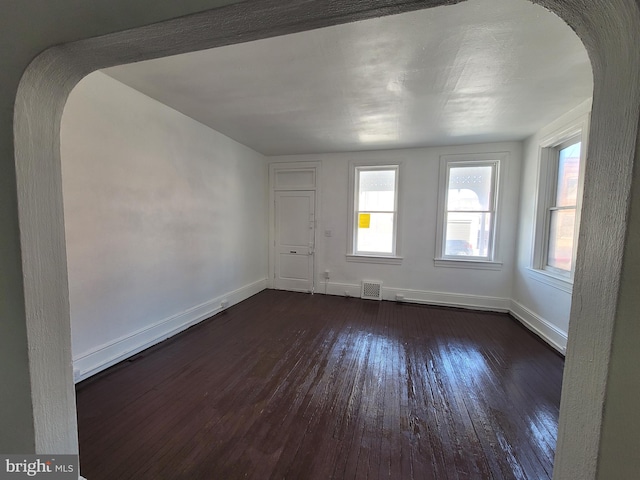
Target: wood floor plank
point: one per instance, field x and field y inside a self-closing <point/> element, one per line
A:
<point x="289" y="385"/>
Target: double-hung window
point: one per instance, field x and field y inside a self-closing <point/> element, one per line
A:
<point x="563" y="207"/>
<point x="375" y="211"/>
<point x="467" y="217"/>
<point x="562" y="158"/>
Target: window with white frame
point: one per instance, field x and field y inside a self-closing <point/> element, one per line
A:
<point x="468" y="215"/>
<point x="563" y="206"/>
<point x="375" y="210"/>
<point x="562" y="157"/>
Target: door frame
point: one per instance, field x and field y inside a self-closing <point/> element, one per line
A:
<point x="308" y="183"/>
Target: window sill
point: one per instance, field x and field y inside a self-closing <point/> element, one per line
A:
<point x="469" y="264"/>
<point x="388" y="260"/>
<point x="555" y="281"/>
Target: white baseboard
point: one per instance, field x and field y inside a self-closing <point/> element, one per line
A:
<point x="460" y="300"/>
<point x="115" y="351"/>
<point x="551" y="334"/>
<point x="472" y="302"/>
<point x="340" y="289"/>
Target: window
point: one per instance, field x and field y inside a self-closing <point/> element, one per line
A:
<point x="467" y="217"/>
<point x="563" y="207"/>
<point x="562" y="156"/>
<point x="375" y="211"/>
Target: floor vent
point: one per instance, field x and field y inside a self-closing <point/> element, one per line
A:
<point x="371" y="290"/>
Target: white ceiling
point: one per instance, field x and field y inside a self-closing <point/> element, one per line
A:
<point x="478" y="71"/>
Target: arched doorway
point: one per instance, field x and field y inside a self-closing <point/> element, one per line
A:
<point x="610" y="31"/>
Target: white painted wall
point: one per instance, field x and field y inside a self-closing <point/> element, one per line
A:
<point x="545" y="307"/>
<point x="164" y="218"/>
<point x="417" y="277"/>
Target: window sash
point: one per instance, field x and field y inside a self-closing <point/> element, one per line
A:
<point x="482" y="243"/>
<point x="561" y="247"/>
<point x="392" y="251"/>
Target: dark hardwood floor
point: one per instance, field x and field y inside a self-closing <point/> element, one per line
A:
<point x="289" y="385"/>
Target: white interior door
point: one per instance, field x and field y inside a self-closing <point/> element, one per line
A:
<point x="294" y="240"/>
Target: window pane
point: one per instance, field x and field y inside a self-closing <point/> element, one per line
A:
<point x="468" y="234"/>
<point x="568" y="171"/>
<point x="561" y="231"/>
<point x="375" y="232"/>
<point x="469" y="188"/>
<point x="377" y="190"/>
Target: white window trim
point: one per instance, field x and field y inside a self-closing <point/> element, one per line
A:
<point x="381" y="259"/>
<point x="544" y="276"/>
<point x="547" y="179"/>
<point x="368" y="257"/>
<point x="469" y="264"/>
<point x="500" y="159"/>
